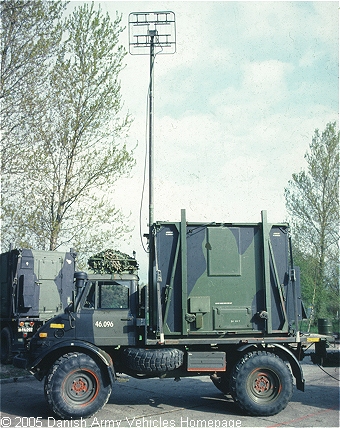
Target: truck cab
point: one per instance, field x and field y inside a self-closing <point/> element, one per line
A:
<point x="106" y="312"/>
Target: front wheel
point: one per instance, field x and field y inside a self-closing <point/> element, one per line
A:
<point x="261" y="384"/>
<point x="76" y="386"/>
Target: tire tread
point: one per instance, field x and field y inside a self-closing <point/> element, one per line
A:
<point x="153" y="360"/>
<point x="56" y="405"/>
<point x="240" y="395"/>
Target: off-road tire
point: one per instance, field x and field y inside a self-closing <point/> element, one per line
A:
<point x="153" y="360"/>
<point x="76" y="386"/>
<point x="261" y="384"/>
<point x="6" y="346"/>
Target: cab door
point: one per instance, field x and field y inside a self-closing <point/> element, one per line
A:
<point x="107" y="316"/>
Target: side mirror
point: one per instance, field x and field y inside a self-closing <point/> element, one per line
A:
<point x="80" y="279"/>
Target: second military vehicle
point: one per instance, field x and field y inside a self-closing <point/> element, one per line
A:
<point x="34" y="287"/>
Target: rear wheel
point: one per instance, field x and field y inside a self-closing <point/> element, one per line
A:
<point x="261" y="384"/>
<point x="76" y="386"/>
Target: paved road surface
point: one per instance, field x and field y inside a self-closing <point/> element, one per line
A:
<point x="189" y="403"/>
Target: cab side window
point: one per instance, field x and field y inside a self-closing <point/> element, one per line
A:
<point x="113" y="295"/>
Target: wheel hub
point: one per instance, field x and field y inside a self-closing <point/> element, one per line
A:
<point x="79" y="386"/>
<point x="262" y="383"/>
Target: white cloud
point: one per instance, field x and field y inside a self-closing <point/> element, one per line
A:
<point x="325" y="23"/>
<point x="310" y="57"/>
<point x="266" y="79"/>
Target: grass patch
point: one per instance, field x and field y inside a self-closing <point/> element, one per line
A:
<point x="303" y="325"/>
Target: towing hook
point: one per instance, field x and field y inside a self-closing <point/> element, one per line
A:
<point x="263" y="314"/>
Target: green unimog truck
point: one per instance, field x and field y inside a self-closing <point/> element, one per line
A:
<point x="223" y="300"/>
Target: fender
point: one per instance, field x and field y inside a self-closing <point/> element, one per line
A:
<point x="293" y="361"/>
<point x="40" y="365"/>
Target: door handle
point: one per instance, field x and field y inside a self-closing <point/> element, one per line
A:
<point x="127" y="319"/>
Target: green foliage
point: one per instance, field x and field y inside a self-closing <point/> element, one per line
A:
<point x="112" y="261"/>
<point x="64" y="194"/>
<point x="30" y="34"/>
<point x="312" y="200"/>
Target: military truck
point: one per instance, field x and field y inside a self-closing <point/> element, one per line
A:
<point x="34" y="286"/>
<point x="223" y="300"/>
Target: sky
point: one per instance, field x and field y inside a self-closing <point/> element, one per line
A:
<point x="235" y="108"/>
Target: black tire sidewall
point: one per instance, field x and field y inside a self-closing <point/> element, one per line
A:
<point x="239" y="379"/>
<point x="153" y="360"/>
<point x="56" y="380"/>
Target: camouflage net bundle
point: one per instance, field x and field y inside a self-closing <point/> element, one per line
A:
<point x="112" y="261"/>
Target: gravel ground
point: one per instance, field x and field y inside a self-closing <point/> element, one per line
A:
<point x="7" y="371"/>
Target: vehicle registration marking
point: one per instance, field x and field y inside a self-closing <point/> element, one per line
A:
<point x="101" y="324"/>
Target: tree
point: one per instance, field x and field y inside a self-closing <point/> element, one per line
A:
<point x="29" y="36"/>
<point x="312" y="201"/>
<point x="66" y="192"/>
